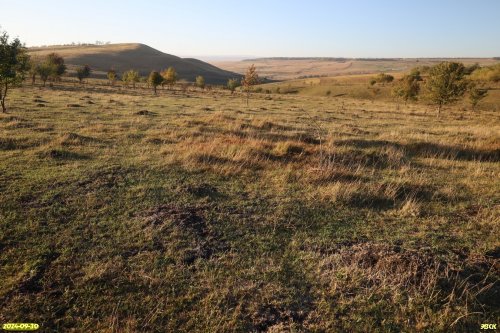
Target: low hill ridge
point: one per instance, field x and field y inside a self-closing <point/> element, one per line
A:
<point x="140" y="57"/>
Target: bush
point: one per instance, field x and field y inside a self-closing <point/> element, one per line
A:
<point x="382" y="78"/>
<point x="490" y="73"/>
<point x="83" y="72"/>
<point x="200" y="82"/>
<point x="232" y="84"/>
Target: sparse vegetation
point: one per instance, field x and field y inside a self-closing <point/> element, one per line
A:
<point x="322" y="208"/>
<point x="138" y="213"/>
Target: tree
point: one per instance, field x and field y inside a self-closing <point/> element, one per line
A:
<point x="45" y="70"/>
<point x="408" y="87"/>
<point x="112" y="76"/>
<point x="232" y="84"/>
<point x="251" y="78"/>
<point x="476" y="94"/>
<point x="200" y="82"/>
<point x="131" y="76"/>
<point x="14" y="64"/>
<point x="445" y="84"/>
<point x="155" y="79"/>
<point x="57" y="64"/>
<point x="34" y="69"/>
<point x="83" y="72"/>
<point x="169" y="77"/>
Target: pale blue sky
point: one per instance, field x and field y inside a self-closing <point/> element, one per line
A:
<point x="381" y="28"/>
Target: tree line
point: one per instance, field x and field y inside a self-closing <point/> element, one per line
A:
<point x="16" y="65"/>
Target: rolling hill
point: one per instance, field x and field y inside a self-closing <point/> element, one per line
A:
<point x="140" y="57"/>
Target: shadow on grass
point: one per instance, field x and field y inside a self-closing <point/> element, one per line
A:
<point x="63" y="155"/>
<point x="429" y="149"/>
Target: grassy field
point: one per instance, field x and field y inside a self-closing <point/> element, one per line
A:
<point x="358" y="87"/>
<point x="191" y="212"/>
<point x="294" y="68"/>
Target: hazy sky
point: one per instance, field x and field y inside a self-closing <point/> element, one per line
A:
<point x="347" y="28"/>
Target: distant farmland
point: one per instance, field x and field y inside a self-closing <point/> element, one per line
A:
<point x="293" y="68"/>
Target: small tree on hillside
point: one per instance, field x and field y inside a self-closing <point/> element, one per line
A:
<point x="131" y="76"/>
<point x="445" y="84"/>
<point x="251" y="78"/>
<point x="200" y="82"/>
<point x="169" y="77"/>
<point x="112" y="76"/>
<point x="155" y="79"/>
<point x="232" y="84"/>
<point x="14" y="63"/>
<point x="83" y="72"/>
<point x="476" y="94"/>
<point x="58" y="67"/>
<point x="33" y="69"/>
<point x="45" y="70"/>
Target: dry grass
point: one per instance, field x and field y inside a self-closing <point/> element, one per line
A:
<point x="296" y="214"/>
<point x="287" y="69"/>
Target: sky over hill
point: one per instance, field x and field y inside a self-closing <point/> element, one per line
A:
<point x="362" y="28"/>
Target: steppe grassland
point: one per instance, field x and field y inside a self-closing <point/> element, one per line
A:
<point x="192" y="212"/>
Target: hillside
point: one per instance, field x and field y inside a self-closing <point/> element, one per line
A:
<point x="296" y="68"/>
<point x="141" y="57"/>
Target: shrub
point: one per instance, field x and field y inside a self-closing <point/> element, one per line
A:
<point x="408" y="87"/>
<point x="83" y="72"/>
<point x="382" y="78"/>
<point x="111" y="76"/>
<point x="489" y="73"/>
<point x="200" y="82"/>
<point x="232" y="84"/>
<point x="476" y="94"/>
